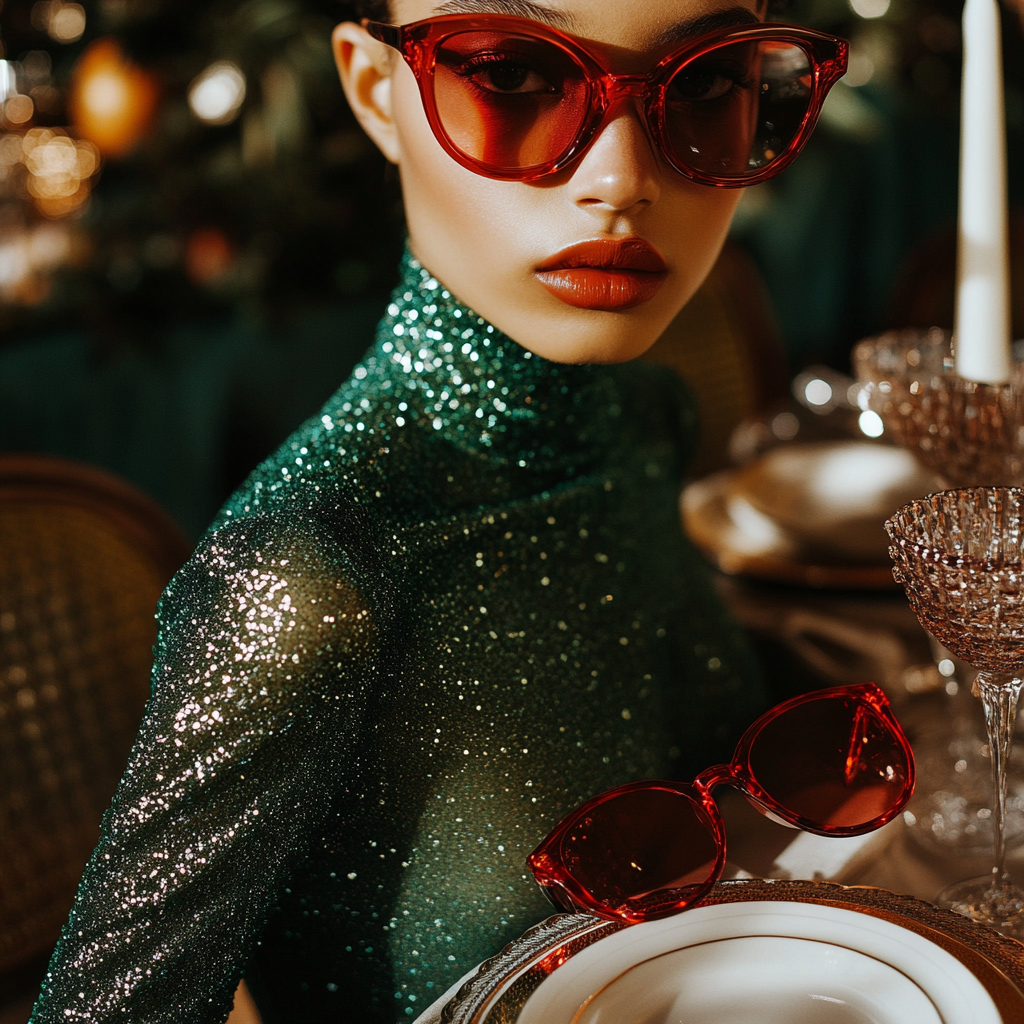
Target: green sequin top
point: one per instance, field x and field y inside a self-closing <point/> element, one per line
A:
<point x="453" y="606"/>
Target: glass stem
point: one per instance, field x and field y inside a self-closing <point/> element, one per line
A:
<point x="999" y="693"/>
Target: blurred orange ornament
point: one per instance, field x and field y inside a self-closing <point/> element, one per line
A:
<point x="112" y="101"/>
<point x="209" y="256"/>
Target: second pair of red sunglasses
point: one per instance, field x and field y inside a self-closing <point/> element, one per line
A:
<point x="513" y="99"/>
<point x="834" y="762"/>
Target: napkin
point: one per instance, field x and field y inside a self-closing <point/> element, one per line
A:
<point x="825" y="859"/>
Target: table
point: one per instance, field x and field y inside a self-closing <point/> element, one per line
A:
<point x="809" y="639"/>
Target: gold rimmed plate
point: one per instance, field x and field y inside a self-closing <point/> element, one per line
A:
<point x="782" y="950"/>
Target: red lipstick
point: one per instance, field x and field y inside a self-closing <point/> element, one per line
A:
<point x="604" y="274"/>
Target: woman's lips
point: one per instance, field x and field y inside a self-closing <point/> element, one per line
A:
<point x="604" y="274"/>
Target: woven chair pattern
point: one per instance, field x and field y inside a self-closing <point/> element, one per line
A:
<point x="78" y="593"/>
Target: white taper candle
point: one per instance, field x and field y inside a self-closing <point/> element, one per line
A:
<point x="982" y="332"/>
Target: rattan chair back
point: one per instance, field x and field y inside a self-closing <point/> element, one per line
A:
<point x="83" y="560"/>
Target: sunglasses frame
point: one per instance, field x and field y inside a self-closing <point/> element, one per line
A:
<point x="566" y="893"/>
<point x="418" y="43"/>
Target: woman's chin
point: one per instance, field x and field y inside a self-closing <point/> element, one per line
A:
<point x="594" y="336"/>
<point x="589" y="349"/>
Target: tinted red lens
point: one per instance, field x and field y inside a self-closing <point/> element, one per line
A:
<point x="639" y="843"/>
<point x="738" y="108"/>
<point x="834" y="762"/>
<point x="509" y="101"/>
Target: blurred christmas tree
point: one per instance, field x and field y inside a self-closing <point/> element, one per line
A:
<point x="168" y="160"/>
<point x="195" y="235"/>
<point x="164" y="161"/>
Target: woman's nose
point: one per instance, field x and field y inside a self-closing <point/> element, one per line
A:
<point x="620" y="170"/>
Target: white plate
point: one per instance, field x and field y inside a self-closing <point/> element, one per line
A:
<point x="780" y="981"/>
<point x="769" y="962"/>
<point x="832" y="496"/>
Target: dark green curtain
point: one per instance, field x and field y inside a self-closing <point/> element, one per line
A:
<point x="185" y="419"/>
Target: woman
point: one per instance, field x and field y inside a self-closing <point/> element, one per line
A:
<point x="458" y="601"/>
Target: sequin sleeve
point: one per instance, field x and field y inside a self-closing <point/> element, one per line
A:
<point x="263" y="663"/>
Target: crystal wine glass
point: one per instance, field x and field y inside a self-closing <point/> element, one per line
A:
<point x="960" y="557"/>
<point x="969" y="435"/>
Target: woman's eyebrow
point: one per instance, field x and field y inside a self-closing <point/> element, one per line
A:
<point x="684" y="30"/>
<point x="516" y="8"/>
<point x="565" y="20"/>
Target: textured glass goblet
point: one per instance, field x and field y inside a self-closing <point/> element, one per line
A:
<point x="969" y="435"/>
<point x="960" y="557"/>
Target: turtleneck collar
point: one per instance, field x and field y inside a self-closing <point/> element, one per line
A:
<point x="482" y="391"/>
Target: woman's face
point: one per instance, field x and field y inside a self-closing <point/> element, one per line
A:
<point x="489" y="241"/>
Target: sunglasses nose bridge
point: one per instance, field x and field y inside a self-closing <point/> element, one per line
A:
<point x="618" y="87"/>
<point x="717" y="775"/>
<point x="614" y="91"/>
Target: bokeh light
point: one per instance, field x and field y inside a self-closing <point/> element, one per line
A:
<point x="27" y="257"/>
<point x="870" y="8"/>
<point x="62" y="22"/>
<point x="8" y="80"/>
<point x="217" y="94"/>
<point x="112" y="101"/>
<point x="18" y="109"/>
<point x="785" y="426"/>
<point x="818" y="391"/>
<point x="209" y="256"/>
<point x="67" y="23"/>
<point x="59" y="170"/>
<point x="860" y="70"/>
<point x="871" y="424"/>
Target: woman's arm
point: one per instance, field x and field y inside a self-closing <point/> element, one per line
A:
<point x="259" y="692"/>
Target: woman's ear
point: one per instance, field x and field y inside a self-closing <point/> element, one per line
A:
<point x="365" y="65"/>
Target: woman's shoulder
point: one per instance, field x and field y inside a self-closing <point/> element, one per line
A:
<point x="301" y="568"/>
<point x="274" y="607"/>
<point x="305" y="526"/>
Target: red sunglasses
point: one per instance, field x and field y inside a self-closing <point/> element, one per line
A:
<point x="834" y="762"/>
<point x="516" y="100"/>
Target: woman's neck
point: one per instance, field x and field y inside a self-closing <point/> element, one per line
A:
<point x="479" y="387"/>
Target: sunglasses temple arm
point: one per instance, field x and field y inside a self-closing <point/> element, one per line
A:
<point x="390" y="34"/>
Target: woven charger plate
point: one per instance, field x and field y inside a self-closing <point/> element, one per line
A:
<point x="499" y="990"/>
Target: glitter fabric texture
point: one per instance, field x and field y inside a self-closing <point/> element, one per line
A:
<point x="454" y="605"/>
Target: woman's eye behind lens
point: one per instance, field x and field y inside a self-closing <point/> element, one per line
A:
<point x="712" y="80"/>
<point x="508" y="75"/>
